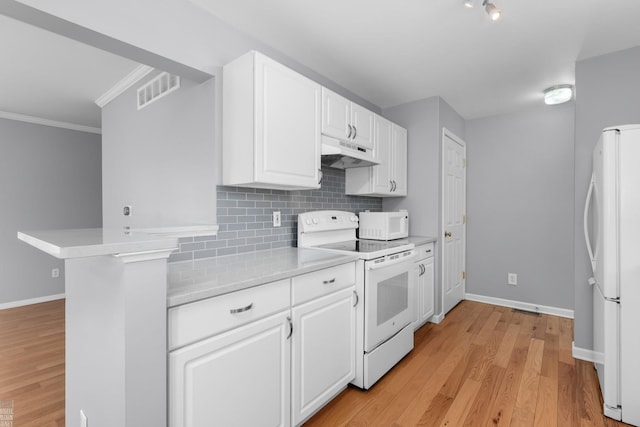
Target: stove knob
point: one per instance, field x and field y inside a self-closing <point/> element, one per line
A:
<point x="354" y="218"/>
<point x="315" y="220"/>
<point x="308" y="221"/>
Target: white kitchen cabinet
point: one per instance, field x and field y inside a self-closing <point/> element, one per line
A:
<point x="389" y="178"/>
<point x="425" y="279"/>
<point x="323" y="360"/>
<point x="271" y="130"/>
<point x="238" y="378"/>
<point x="346" y="120"/>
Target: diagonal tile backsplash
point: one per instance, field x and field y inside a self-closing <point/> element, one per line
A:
<point x="245" y="217"/>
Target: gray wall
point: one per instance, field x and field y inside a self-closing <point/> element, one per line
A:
<point x="161" y="160"/>
<point x="245" y="217"/>
<point x="520" y="205"/>
<point x="608" y="94"/>
<point x="424" y="121"/>
<point x="49" y="178"/>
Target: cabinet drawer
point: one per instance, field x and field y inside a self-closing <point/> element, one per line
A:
<point x="322" y="282"/>
<point x="424" y="251"/>
<point x="192" y="322"/>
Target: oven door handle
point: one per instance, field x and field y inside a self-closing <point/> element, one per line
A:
<point x="405" y="256"/>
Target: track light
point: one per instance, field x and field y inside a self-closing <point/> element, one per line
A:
<point x="558" y="94"/>
<point x="493" y="12"/>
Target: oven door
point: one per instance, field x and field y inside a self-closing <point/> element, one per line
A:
<point x="389" y="293"/>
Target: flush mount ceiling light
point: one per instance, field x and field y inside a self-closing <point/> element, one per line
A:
<point x="468" y="3"/>
<point x="558" y="94"/>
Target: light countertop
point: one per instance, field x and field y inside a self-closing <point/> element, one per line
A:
<point x="191" y="281"/>
<point x="88" y="242"/>
<point x="421" y="240"/>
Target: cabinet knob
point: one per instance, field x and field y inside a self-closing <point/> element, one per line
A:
<point x="447" y="234"/>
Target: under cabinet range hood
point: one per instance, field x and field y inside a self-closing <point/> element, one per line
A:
<point x="342" y="155"/>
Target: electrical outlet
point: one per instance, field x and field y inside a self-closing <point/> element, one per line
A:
<point x="55" y="272"/>
<point x="277" y="222"/>
<point x="512" y="279"/>
<point x="83" y="419"/>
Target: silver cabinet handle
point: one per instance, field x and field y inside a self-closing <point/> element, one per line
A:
<point x="290" y="327"/>
<point x="421" y="270"/>
<point x="395" y="186"/>
<point x="350" y="132"/>
<point x="240" y="310"/>
<point x="355" y="132"/>
<point x="391" y="185"/>
<point x="357" y="298"/>
<point x="321" y="175"/>
<point x="328" y="282"/>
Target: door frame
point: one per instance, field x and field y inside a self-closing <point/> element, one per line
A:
<point x="447" y="133"/>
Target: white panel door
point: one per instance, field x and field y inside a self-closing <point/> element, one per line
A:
<point x="323" y="351"/>
<point x="336" y="115"/>
<point x="382" y="172"/>
<point x="362" y="121"/>
<point x="288" y="110"/>
<point x="399" y="149"/>
<point x="238" y="378"/>
<point x="453" y="219"/>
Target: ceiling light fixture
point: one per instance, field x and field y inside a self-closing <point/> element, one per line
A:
<point x="558" y="94"/>
<point x="468" y="3"/>
<point x="493" y="12"/>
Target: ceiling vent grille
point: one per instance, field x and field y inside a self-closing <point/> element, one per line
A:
<point x="156" y="88"/>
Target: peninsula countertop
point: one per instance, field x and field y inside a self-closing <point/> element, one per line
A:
<point x="190" y="281"/>
<point x="88" y="242"/>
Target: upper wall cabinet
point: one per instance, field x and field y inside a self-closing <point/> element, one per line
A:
<point x="344" y="120"/>
<point x="271" y="125"/>
<point x="389" y="178"/>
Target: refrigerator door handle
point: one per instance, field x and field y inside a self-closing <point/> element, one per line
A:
<point x="586" y="222"/>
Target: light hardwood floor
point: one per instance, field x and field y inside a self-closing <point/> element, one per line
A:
<point x="483" y="365"/>
<point x="32" y="363"/>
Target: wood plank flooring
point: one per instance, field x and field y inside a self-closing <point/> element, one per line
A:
<point x="32" y="363"/>
<point x="482" y="366"/>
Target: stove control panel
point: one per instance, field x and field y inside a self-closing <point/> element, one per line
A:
<point x="317" y="221"/>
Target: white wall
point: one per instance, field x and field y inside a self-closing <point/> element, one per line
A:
<point x="49" y="178"/>
<point x="520" y="205"/>
<point x="161" y="160"/>
<point x="607" y="94"/>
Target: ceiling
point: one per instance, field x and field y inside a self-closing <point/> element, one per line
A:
<point x="51" y="77"/>
<point x="387" y="52"/>
<point x="390" y="52"/>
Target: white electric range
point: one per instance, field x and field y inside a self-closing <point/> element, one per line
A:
<point x="384" y="283"/>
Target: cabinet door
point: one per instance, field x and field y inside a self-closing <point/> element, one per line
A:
<point x="238" y="378"/>
<point x="336" y="115"/>
<point x="419" y="278"/>
<point x="323" y="351"/>
<point x="288" y="120"/>
<point x="362" y="120"/>
<point x="382" y="173"/>
<point x="399" y="156"/>
<point x="426" y="285"/>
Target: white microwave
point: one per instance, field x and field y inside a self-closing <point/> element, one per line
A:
<point x="384" y="225"/>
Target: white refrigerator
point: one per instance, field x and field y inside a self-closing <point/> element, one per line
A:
<point x="612" y="233"/>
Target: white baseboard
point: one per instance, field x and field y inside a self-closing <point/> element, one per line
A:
<point x="587" y="355"/>
<point x="554" y="311"/>
<point x="30" y="301"/>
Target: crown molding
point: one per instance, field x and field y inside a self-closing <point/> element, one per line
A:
<point x="127" y="81"/>
<point x="47" y="122"/>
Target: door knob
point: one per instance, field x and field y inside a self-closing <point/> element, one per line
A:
<point x="447" y="234"/>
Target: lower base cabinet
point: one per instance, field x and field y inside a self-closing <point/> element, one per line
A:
<point x="237" y="378"/>
<point x="323" y="351"/>
<point x="266" y="356"/>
